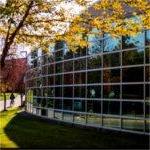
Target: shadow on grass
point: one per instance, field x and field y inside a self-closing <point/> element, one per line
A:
<point x="28" y="131"/>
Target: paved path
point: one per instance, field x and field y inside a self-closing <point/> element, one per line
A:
<point x="17" y="102"/>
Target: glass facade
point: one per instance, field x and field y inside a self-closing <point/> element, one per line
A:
<point x="106" y="85"/>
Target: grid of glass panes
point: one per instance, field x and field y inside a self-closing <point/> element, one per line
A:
<point x="106" y="85"/>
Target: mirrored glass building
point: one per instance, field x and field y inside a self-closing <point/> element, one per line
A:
<point x="106" y="85"/>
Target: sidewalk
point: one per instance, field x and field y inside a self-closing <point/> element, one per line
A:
<point x="17" y="102"/>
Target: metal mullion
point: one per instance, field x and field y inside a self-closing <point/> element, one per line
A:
<point x="144" y="86"/>
<point x="121" y="85"/>
<point x="62" y="88"/>
<point x="102" y="64"/>
<point x="73" y="91"/>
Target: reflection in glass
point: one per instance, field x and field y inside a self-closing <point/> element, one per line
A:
<point x="67" y="104"/>
<point x="50" y="103"/>
<point x="79" y="78"/>
<point x="79" y="105"/>
<point x="137" y="41"/>
<point x="68" y="78"/>
<point x="94" y="77"/>
<point x="147" y="55"/>
<point x="111" y="60"/>
<point x="134" y="109"/>
<point x="111" y="43"/>
<point x="132" y="57"/>
<point x="147" y="73"/>
<point x="111" y="122"/>
<point x="58" y="91"/>
<point x="94" y="62"/>
<point x="79" y="91"/>
<point x="111" y="91"/>
<point x="68" y="66"/>
<point x="94" y="120"/>
<point x="134" y="74"/>
<point x="111" y="107"/>
<point x="132" y="91"/>
<point x="147" y="109"/>
<point x="58" y="67"/>
<point x="94" y="91"/>
<point x="93" y="106"/>
<point x="133" y="124"/>
<point x="111" y="75"/>
<point x="147" y="92"/>
<point x="58" y="79"/>
<point x="67" y="116"/>
<point x="68" y="91"/>
<point x="80" y="64"/>
<point x="79" y="118"/>
<point x="147" y="37"/>
<point x="58" y="104"/>
<point x="58" y="115"/>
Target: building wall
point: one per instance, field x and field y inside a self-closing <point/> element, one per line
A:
<point x="104" y="86"/>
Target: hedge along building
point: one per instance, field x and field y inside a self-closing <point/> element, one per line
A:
<point x="105" y="85"/>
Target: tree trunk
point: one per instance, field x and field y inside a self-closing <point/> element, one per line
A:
<point x="21" y="97"/>
<point x="5" y="108"/>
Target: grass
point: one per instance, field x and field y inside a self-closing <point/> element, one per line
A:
<point x="7" y="96"/>
<point x="19" y="130"/>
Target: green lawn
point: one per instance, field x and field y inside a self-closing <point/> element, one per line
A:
<point x="7" y="95"/>
<point x="23" y="131"/>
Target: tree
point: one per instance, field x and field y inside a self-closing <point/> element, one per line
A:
<point x="12" y="77"/>
<point x="40" y="22"/>
<point x="32" y="22"/>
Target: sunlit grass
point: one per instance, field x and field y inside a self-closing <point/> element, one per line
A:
<point x="21" y="131"/>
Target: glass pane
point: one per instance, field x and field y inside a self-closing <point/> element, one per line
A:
<point x="111" y="122"/>
<point x="111" y="91"/>
<point x="147" y="125"/>
<point x="132" y="91"/>
<point x="68" y="54"/>
<point x="58" y="91"/>
<point x="50" y="113"/>
<point x="51" y="69"/>
<point x="68" y="117"/>
<point x="67" y="104"/>
<point x="147" y="109"/>
<point x="50" y="81"/>
<point x="111" y="43"/>
<point x="80" y="64"/>
<point x="94" y="62"/>
<point x="111" y="60"/>
<point x="134" y="74"/>
<point x="94" y="120"/>
<point x="147" y="73"/>
<point x="79" y="78"/>
<point x="79" y="118"/>
<point x="79" y="105"/>
<point x="133" y="41"/>
<point x="44" y="70"/>
<point x="147" y="37"/>
<point x="44" y="112"/>
<point x="50" y="103"/>
<point x="43" y="102"/>
<point x="132" y="57"/>
<point x="111" y="107"/>
<point x="147" y="55"/>
<point x="59" y="55"/>
<point x="93" y="106"/>
<point x="68" y="78"/>
<point x="58" y="79"/>
<point x="44" y="81"/>
<point x="111" y="75"/>
<point x="58" y="68"/>
<point x="79" y="91"/>
<point x="51" y="92"/>
<point x="68" y="66"/>
<point x="147" y="93"/>
<point x="94" y="91"/>
<point x="94" y="77"/>
<point x="132" y="124"/>
<point x="58" y="115"/>
<point x="68" y="91"/>
<point x="133" y="109"/>
<point x="58" y="103"/>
